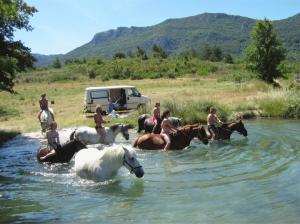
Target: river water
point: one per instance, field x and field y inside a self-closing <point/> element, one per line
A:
<point x="247" y="180"/>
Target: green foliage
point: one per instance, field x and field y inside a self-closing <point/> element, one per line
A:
<point x="56" y="63"/>
<point x="214" y="53"/>
<point x="119" y="55"/>
<point x="14" y="56"/>
<point x="158" y="52"/>
<point x="194" y="112"/>
<point x="265" y="53"/>
<point x="282" y="104"/>
<point x="92" y="74"/>
<point x="228" y="59"/>
<point x="141" y="53"/>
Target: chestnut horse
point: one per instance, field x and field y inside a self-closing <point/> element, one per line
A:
<point x="180" y="140"/>
<point x="64" y="155"/>
<point x="226" y="129"/>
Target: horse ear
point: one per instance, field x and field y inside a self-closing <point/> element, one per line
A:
<point x="125" y="149"/>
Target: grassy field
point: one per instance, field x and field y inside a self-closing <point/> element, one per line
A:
<point x="187" y="97"/>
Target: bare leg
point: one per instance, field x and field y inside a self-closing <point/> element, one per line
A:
<point x="51" y="153"/>
<point x="101" y="132"/>
<point x="168" y="142"/>
<point x="213" y="136"/>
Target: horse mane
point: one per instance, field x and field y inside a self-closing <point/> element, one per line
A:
<point x="114" y="127"/>
<point x="112" y="152"/>
<point x="229" y="123"/>
<point x="188" y="126"/>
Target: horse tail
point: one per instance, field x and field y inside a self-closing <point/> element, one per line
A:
<point x="72" y="136"/>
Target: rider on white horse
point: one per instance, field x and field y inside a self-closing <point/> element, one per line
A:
<point x="44" y="106"/>
<point x="46" y="114"/>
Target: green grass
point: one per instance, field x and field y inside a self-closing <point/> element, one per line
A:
<point x="186" y="87"/>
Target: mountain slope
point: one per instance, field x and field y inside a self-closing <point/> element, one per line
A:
<point x="229" y="32"/>
<point x="174" y="35"/>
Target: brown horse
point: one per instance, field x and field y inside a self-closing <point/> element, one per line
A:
<point x="226" y="129"/>
<point x="180" y="140"/>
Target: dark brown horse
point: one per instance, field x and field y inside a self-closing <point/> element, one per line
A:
<point x="145" y="122"/>
<point x="64" y="155"/>
<point x="226" y="129"/>
<point x="180" y="140"/>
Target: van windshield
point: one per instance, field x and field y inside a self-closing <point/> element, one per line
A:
<point x="133" y="92"/>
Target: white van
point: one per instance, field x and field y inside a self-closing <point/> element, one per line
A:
<point x="122" y="97"/>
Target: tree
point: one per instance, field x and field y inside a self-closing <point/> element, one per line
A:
<point x="214" y="53"/>
<point x="14" y="56"/>
<point x="265" y="52"/>
<point x="217" y="54"/>
<point x="119" y="55"/>
<point x="56" y="63"/>
<point x="141" y="53"/>
<point x="228" y="59"/>
<point x="158" y="52"/>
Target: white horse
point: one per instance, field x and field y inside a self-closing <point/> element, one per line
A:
<point x="46" y="118"/>
<point x="101" y="165"/>
<point x="89" y="136"/>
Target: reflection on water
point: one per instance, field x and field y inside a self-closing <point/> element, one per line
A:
<point x="245" y="180"/>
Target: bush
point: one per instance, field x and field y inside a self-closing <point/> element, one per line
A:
<point x="196" y="111"/>
<point x="280" y="103"/>
<point x="92" y="74"/>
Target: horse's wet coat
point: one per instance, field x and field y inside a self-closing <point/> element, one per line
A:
<point x="89" y="135"/>
<point x="101" y="165"/>
<point x="226" y="129"/>
<point x="65" y="154"/>
<point x="179" y="141"/>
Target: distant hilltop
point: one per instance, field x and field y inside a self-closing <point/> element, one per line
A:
<point x="229" y="32"/>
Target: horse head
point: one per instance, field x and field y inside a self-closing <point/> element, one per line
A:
<point x="239" y="127"/>
<point x="131" y="163"/>
<point x="123" y="128"/>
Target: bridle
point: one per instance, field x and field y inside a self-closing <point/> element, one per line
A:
<point x="132" y="168"/>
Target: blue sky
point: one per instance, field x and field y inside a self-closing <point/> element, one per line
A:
<point x="62" y="25"/>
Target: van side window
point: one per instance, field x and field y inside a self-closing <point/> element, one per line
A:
<point x="99" y="94"/>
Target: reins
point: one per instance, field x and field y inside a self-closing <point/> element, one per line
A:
<point x="132" y="168"/>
